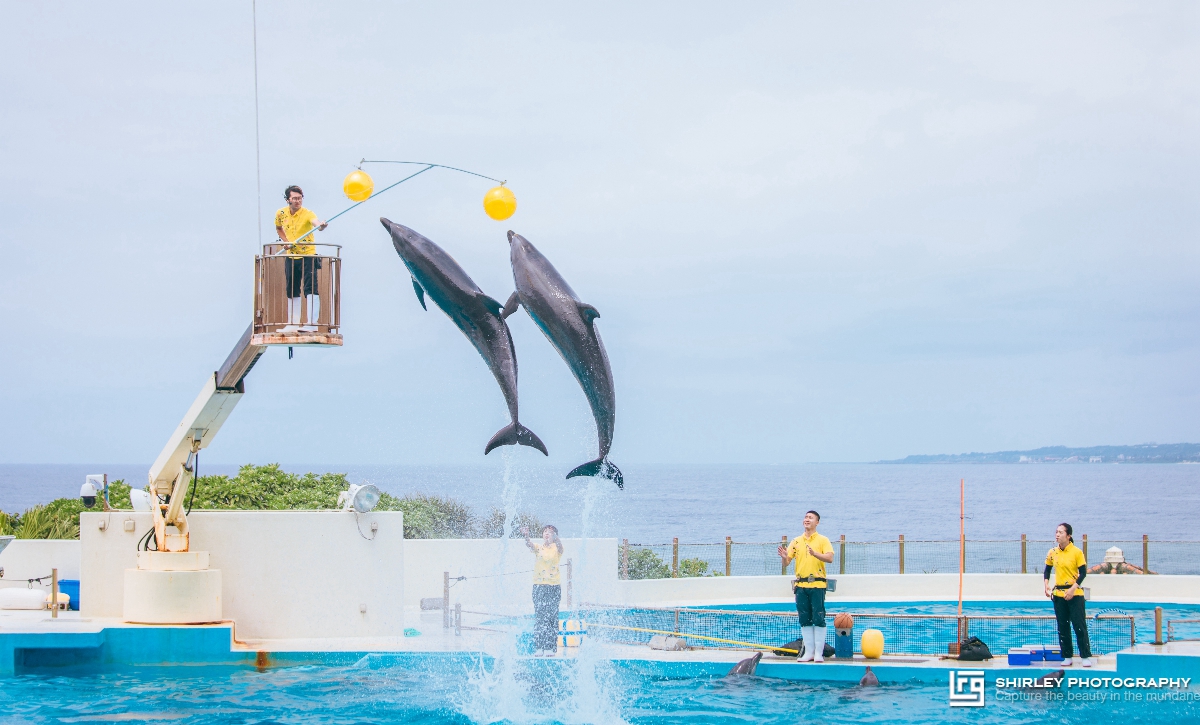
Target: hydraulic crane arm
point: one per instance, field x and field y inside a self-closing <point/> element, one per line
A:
<point x="172" y="471"/>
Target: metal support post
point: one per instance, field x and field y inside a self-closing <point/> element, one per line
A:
<point x="1158" y="638"/>
<point x="842" y="555"/>
<point x="1085" y="547"/>
<point x="675" y="557"/>
<point x="728" y="556"/>
<point x="458" y="619"/>
<point x="901" y="553"/>
<point x="1024" y="569"/>
<point x="624" y="558"/>
<point x="568" y="594"/>
<point x="446" y="600"/>
<point x="783" y="562"/>
<point x="54" y="593"/>
<point x="1145" y="554"/>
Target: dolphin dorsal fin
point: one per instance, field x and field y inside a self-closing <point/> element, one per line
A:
<point x="589" y="313"/>
<point x="490" y="303"/>
<point x="420" y="293"/>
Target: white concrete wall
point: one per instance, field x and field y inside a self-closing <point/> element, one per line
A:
<point x="593" y="571"/>
<point x="29" y="558"/>
<point x="285" y="574"/>
<point x="901" y="587"/>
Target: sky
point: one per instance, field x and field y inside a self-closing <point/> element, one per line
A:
<point x="814" y="231"/>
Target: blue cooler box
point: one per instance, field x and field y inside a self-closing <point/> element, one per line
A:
<point x="1052" y="653"/>
<point x="70" y="587"/>
<point x="1018" y="656"/>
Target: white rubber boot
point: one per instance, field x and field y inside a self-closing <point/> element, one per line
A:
<point x="819" y="644"/>
<point x="807" y="634"/>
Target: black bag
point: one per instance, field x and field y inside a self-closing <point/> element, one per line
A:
<point x="798" y="645"/>
<point x="973" y="649"/>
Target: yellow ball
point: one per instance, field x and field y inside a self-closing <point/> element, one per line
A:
<point x="499" y="203"/>
<point x="358" y="185"/>
<point x="872" y="644"/>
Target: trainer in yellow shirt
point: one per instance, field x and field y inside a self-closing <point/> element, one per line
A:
<point x="547" y="593"/>
<point x="293" y="221"/>
<point x="811" y="552"/>
<point x="1069" y="566"/>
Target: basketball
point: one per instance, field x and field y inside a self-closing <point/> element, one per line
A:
<point x="843" y="621"/>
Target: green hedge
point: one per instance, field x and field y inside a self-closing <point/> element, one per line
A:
<point x="269" y="488"/>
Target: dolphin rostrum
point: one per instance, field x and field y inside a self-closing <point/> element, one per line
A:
<point x="569" y="325"/>
<point x="478" y="316"/>
<point x="746" y="666"/>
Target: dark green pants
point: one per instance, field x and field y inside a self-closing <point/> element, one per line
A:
<point x="1071" y="613"/>
<point x="810" y="605"/>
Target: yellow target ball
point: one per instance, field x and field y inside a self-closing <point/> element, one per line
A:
<point x="358" y="185"/>
<point x="499" y="203"/>
<point x="872" y="644"/>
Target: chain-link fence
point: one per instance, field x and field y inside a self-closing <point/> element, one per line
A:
<point x="901" y="556"/>
<point x="923" y="634"/>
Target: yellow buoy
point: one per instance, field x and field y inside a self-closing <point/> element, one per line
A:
<point x="499" y="203"/>
<point x="358" y="185"/>
<point x="872" y="644"/>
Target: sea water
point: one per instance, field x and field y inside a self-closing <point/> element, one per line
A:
<point x="761" y="503"/>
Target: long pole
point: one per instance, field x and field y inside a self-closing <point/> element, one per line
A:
<point x="962" y="538"/>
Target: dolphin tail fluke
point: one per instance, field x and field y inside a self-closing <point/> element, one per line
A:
<point x="601" y="467"/>
<point x="515" y="434"/>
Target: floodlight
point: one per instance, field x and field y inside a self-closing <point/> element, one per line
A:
<point x="140" y="500"/>
<point x="359" y="498"/>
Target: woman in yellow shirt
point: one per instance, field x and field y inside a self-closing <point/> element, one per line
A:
<point x="1069" y="566"/>
<point x="547" y="590"/>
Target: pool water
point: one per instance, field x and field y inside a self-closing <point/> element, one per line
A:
<point x="459" y="690"/>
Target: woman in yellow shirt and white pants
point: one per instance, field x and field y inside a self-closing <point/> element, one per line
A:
<point x="547" y="590"/>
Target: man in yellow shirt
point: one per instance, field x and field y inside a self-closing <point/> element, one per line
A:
<point x="1069" y="566"/>
<point x="811" y="552"/>
<point x="291" y="223"/>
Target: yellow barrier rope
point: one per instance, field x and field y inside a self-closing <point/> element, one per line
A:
<point x="695" y="636"/>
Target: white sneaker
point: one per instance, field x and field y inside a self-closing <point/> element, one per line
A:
<point x="1066" y="662"/>
<point x="1086" y="662"/>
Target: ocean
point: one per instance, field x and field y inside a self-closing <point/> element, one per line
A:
<point x="865" y="502"/>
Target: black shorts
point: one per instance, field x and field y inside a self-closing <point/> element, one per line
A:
<point x="301" y="274"/>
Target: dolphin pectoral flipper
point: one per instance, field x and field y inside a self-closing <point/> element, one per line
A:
<point x="514" y="301"/>
<point x="515" y="434"/>
<point x="589" y="313"/>
<point x="420" y="293"/>
<point x="490" y="303"/>
<point x="600" y="467"/>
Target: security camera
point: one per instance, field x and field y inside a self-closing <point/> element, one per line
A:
<point x="87" y="492"/>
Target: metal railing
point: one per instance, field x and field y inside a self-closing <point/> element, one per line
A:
<point x="315" y="279"/>
<point x="1183" y="630"/>
<point x="898" y="556"/>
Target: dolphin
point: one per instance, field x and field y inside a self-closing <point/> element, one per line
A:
<point x="869" y="679"/>
<point x="478" y="316"/>
<point x="569" y="325"/>
<point x="746" y="666"/>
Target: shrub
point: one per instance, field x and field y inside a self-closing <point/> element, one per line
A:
<point x="645" y="564"/>
<point x="693" y="567"/>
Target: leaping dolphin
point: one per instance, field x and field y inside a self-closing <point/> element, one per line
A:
<point x="478" y="316"/>
<point x="569" y="325"/>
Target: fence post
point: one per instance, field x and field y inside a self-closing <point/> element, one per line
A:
<point x="1085" y="547"/>
<point x="842" y="555"/>
<point x="901" y="553"/>
<point x="783" y="562"/>
<point x="445" y="600"/>
<point x="54" y="593"/>
<point x="458" y="619"/>
<point x="1157" y="626"/>
<point x="568" y="597"/>
<point x="728" y="556"/>
<point x="675" y="557"/>
<point x="1023" y="552"/>
<point x="624" y="558"/>
<point x="1145" y="554"/>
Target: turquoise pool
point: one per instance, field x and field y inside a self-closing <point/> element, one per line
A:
<point x="391" y="689"/>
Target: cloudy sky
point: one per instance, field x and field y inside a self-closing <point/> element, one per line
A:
<point x="814" y="231"/>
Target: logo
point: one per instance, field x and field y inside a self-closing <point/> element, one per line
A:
<point x="966" y="688"/>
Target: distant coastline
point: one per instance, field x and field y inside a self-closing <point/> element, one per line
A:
<point x="1142" y="453"/>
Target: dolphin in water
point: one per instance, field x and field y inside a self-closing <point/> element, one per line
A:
<point x="869" y="679"/>
<point x="478" y="316"/>
<point x="746" y="666"/>
<point x="569" y="325"/>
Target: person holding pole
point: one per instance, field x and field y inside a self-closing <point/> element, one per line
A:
<point x="291" y="223"/>
<point x="811" y="552"/>
<point x="547" y="590"/>
<point x="1069" y="566"/>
